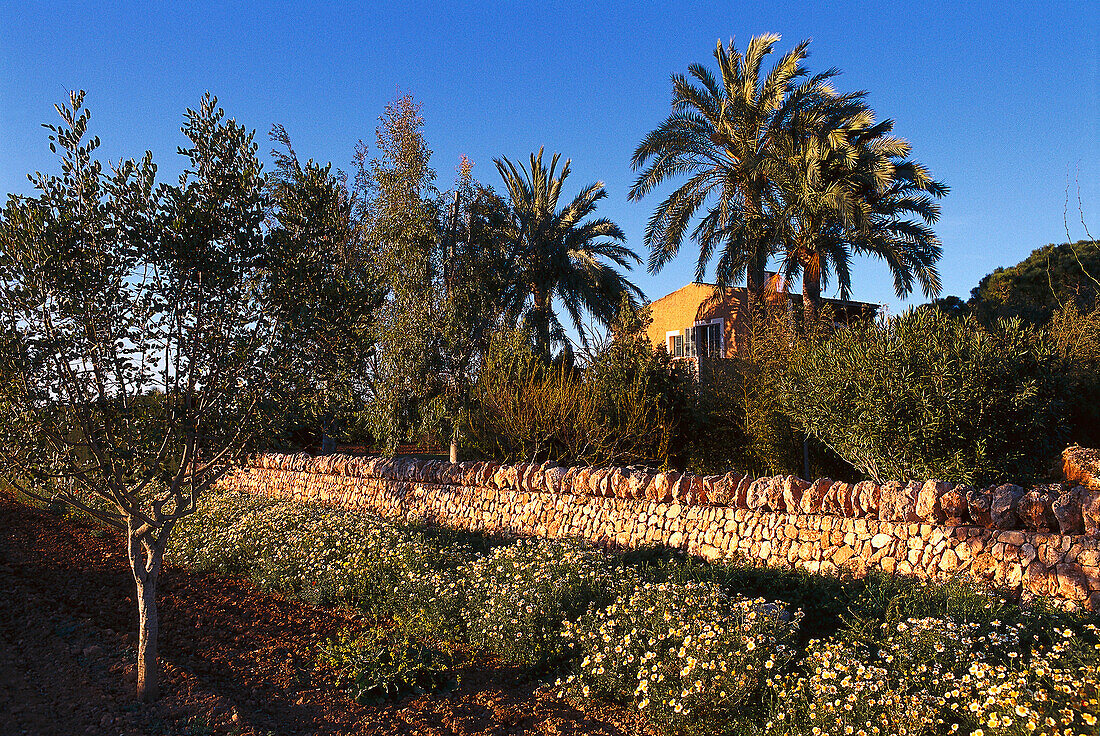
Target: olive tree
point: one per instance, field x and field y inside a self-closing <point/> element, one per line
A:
<point x="133" y="339"/>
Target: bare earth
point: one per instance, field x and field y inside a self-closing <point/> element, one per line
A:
<point x="235" y="660"/>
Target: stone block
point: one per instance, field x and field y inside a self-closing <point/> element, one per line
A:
<point x="757" y="497"/>
<point x="891" y="500"/>
<point x="978" y="503"/>
<point x="793" y="490"/>
<point x="1067" y="508"/>
<point x="663" y="483"/>
<point x="1036" y="511"/>
<point x="929" y="506"/>
<point x="1081" y="466"/>
<point x="814" y="496"/>
<point x="1003" y="506"/>
<point x="1071" y="582"/>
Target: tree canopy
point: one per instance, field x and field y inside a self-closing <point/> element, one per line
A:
<point x="1052" y="277"/>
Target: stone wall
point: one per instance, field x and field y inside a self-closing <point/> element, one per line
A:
<point x="1043" y="541"/>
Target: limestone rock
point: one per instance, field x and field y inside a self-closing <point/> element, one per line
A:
<point x="663" y="484"/>
<point x="1072" y="583"/>
<point x="637" y="484"/>
<point x="954" y="505"/>
<point x="833" y="502"/>
<point x="580" y="481"/>
<point x="978" y="503"/>
<point x="553" y="479"/>
<point x="722" y="488"/>
<point x="776" y="491"/>
<point x="890" y="500"/>
<point x="1037" y="579"/>
<point x="1090" y="512"/>
<point x="1081" y="466"/>
<point x="1036" y="511"/>
<point x="793" y="490"/>
<point x="1067" y="508"/>
<point x="929" y="507"/>
<point x="881" y="540"/>
<point x="870" y="496"/>
<point x="1006" y="499"/>
<point x="757" y="497"/>
<point x="814" y="496"/>
<point x="741" y="495"/>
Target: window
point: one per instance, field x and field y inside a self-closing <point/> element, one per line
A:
<point x="703" y="339"/>
<point x="677" y="346"/>
<point x="708" y="340"/>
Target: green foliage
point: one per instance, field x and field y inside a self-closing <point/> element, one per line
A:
<point x="400" y="222"/>
<point x="558" y="254"/>
<point x="443" y="269"/>
<point x="924" y="395"/>
<point x="320" y="289"/>
<point x="1050" y="279"/>
<point x="1075" y="336"/>
<point x="629" y="404"/>
<point x="689" y="656"/>
<point x="382" y="665"/>
<point x="723" y="133"/>
<point x="715" y="654"/>
<point x="131" y="314"/>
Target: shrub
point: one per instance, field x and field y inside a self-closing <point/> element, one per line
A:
<point x="518" y="598"/>
<point x="691" y="657"/>
<point x="1075" y="336"/>
<point x="925" y="395"/>
<point x="384" y="665"/>
<point x="937" y="675"/>
<point x="317" y="554"/>
<point x="625" y="408"/>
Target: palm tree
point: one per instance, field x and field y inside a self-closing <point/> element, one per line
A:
<point x="849" y="188"/>
<point x="557" y="253"/>
<point x="724" y="135"/>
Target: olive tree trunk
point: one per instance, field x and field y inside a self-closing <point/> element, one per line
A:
<point x="145" y="556"/>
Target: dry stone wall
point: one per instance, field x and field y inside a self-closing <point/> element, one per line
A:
<point x="1043" y="541"/>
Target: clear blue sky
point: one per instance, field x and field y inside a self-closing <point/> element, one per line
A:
<point x="999" y="100"/>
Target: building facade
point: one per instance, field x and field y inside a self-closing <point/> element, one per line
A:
<point x="704" y="320"/>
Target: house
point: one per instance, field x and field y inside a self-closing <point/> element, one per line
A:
<point x="710" y="321"/>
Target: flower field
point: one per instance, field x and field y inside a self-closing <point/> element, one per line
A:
<point x="697" y="648"/>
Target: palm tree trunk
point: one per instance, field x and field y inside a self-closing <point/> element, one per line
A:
<point x="811" y="292"/>
<point x="755" y="282"/>
<point x="542" y="322"/>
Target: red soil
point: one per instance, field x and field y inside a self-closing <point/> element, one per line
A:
<point x="235" y="660"/>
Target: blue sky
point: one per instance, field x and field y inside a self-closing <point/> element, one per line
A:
<point x="1000" y="100"/>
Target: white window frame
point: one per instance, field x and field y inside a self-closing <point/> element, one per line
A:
<point x="721" y="322"/>
<point x="669" y="334"/>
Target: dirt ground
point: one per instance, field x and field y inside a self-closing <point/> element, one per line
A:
<point x="235" y="660"/>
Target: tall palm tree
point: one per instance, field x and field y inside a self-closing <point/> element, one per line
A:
<point x="849" y="188"/>
<point x="558" y="254"/>
<point x="723" y="135"/>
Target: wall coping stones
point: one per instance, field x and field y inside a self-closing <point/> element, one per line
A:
<point x="1070" y="508"/>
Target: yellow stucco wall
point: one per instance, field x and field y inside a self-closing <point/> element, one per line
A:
<point x="695" y="303"/>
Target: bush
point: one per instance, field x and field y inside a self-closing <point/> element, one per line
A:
<point x="926" y="676"/>
<point x="625" y="407"/>
<point x="384" y="665"/>
<point x="925" y="395"/>
<point x="690" y="656"/>
<point x="518" y="597"/>
<point x="318" y="554"/>
<point x="1075" y="336"/>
